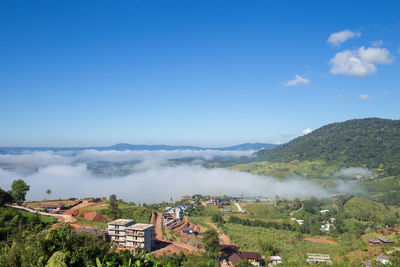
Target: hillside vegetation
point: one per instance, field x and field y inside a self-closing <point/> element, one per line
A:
<point x="365" y="210"/>
<point x="372" y="142"/>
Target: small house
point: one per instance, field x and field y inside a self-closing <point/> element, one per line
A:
<point x="323" y="212"/>
<point x="326" y="227"/>
<point x="95" y="200"/>
<point x="373" y="242"/>
<point x="229" y="249"/>
<point x="318" y="258"/>
<point x="188" y="230"/>
<point x="275" y="260"/>
<point x="384" y="240"/>
<point x="253" y="257"/>
<point x="56" y="206"/>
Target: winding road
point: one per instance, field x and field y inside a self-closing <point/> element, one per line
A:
<point x="61" y="217"/>
<point x="293" y="212"/>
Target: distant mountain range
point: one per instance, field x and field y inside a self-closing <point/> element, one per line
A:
<point x="122" y="146"/>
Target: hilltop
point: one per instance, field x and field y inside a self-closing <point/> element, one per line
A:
<point x="370" y="142"/>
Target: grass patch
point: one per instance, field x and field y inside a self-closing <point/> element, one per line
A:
<point x="365" y="210"/>
<point x="278" y="170"/>
<point x="264" y="211"/>
<point x="99" y="224"/>
<point x="45" y="219"/>
<point x="291" y="245"/>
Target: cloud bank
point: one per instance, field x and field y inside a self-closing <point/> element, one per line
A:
<point x="151" y="179"/>
<point x="45" y="158"/>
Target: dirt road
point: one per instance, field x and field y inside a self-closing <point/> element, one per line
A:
<point x="158" y="225"/>
<point x="60" y="217"/>
<point x="223" y="237"/>
<point x="84" y="203"/>
<point x="240" y="209"/>
<point x="169" y="246"/>
<point x="293" y="212"/>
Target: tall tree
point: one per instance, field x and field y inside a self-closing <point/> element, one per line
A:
<point x="48" y="192"/>
<point x="113" y="209"/>
<point x="18" y="190"/>
<point x="211" y="243"/>
<point x="5" y="197"/>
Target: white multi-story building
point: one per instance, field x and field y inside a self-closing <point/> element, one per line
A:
<point x="125" y="233"/>
<point x="141" y="235"/>
<point x="117" y="231"/>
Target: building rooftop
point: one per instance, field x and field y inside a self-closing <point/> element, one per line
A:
<point x="122" y="221"/>
<point x="374" y="241"/>
<point x="250" y="255"/>
<point x="385" y="240"/>
<point x="275" y="258"/>
<point x="230" y="249"/>
<point x="140" y="226"/>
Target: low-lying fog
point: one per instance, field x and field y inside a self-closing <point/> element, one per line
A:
<point x="147" y="176"/>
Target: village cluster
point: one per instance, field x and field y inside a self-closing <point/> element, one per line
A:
<point x="171" y="230"/>
<point x="326" y="226"/>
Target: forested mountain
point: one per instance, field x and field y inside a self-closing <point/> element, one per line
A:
<point x="370" y="142"/>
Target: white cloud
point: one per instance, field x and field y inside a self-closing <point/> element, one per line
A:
<point x="157" y="183"/>
<point x="307" y="131"/>
<point x="359" y="62"/>
<point x="363" y="97"/>
<point x="46" y="158"/>
<point x="338" y="38"/>
<point x="150" y="180"/>
<point x="278" y="143"/>
<point x="160" y="155"/>
<point x="35" y="158"/>
<point x="297" y="81"/>
<point x="353" y="172"/>
<point x="377" y="43"/>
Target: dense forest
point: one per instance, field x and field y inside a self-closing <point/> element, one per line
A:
<point x="371" y="142"/>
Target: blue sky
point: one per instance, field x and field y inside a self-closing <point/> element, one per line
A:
<point x="211" y="73"/>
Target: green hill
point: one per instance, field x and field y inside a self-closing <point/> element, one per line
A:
<point x="371" y="142"/>
<point x="366" y="210"/>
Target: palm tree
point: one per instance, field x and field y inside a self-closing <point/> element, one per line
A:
<point x="48" y="191"/>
